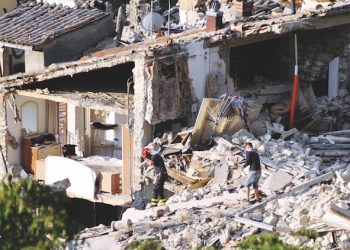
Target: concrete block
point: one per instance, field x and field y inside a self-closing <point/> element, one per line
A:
<point x="304" y="220"/>
<point x="282" y="226"/>
<point x="272" y="220"/>
<point x="277" y="181"/>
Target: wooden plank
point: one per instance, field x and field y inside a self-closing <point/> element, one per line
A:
<point x="200" y="184"/>
<point x="181" y="177"/>
<point x="331" y="153"/>
<point x="257" y="224"/>
<point x="342" y="211"/>
<point x="330" y="146"/>
<point x="339" y="132"/>
<point x="128" y="159"/>
<point x="334" y="219"/>
<point x="230" y="123"/>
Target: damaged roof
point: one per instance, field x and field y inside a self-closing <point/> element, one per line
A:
<point x="235" y="33"/>
<point x="32" y="25"/>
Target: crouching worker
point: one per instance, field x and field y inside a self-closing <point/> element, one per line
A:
<point x="160" y="176"/>
<point x="252" y="160"/>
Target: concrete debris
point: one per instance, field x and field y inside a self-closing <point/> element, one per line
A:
<point x="330" y="114"/>
<point x="298" y="190"/>
<point x="276" y="181"/>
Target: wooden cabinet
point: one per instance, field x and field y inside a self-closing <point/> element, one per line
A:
<point x="32" y="153"/>
<point x="110" y="182"/>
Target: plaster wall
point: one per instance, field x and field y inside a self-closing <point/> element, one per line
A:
<point x="3" y="127"/>
<point x="72" y="45"/>
<point x="114" y="118"/>
<point x="8" y="5"/>
<point x="34" y="61"/>
<point x="202" y="62"/>
<point x="14" y="155"/>
<point x="142" y="129"/>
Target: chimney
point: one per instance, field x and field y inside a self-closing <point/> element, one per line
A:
<point x="214" y="17"/>
<point x="243" y="8"/>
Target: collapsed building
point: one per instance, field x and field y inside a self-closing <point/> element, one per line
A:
<point x="115" y="101"/>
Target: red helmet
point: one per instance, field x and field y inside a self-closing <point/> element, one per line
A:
<point x="145" y="152"/>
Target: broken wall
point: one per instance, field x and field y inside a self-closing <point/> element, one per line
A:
<point x="3" y="127"/>
<point x="14" y="156"/>
<point x="75" y="126"/>
<point x="202" y="62"/>
<point x="170" y="94"/>
<point x="142" y="129"/>
<point x="317" y="49"/>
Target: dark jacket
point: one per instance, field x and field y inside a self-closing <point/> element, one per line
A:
<point x="158" y="162"/>
<point x="253" y="160"/>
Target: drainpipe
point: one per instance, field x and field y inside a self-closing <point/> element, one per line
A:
<point x="293" y="6"/>
<point x="129" y="82"/>
<point x="296" y="76"/>
<point x="295" y="85"/>
<point x="169" y="19"/>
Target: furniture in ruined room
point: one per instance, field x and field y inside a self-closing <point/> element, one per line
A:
<point x="39" y="173"/>
<point x="100" y="145"/>
<point x="109" y="182"/>
<point x="84" y="173"/>
<point x="36" y="147"/>
<point x="108" y="171"/>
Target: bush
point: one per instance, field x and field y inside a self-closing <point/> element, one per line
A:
<point x="145" y="245"/>
<point x="265" y="241"/>
<point x="33" y="216"/>
<point x="308" y="233"/>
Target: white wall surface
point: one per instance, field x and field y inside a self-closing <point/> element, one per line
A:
<point x="201" y="63"/>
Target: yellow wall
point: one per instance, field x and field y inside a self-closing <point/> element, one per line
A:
<point x="8" y="5"/>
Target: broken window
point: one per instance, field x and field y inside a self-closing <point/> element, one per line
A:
<point x="112" y="79"/>
<point x="269" y="60"/>
<point x="169" y="126"/>
<point x="18" y="64"/>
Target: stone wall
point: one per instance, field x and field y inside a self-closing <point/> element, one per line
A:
<point x="141" y="133"/>
<point x="318" y="48"/>
<point x="344" y="71"/>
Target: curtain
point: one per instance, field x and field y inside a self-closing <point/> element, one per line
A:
<point x="53" y="117"/>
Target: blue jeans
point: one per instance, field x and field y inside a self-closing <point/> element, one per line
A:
<point x="253" y="178"/>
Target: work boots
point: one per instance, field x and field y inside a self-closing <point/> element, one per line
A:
<point x="154" y="202"/>
<point x="162" y="202"/>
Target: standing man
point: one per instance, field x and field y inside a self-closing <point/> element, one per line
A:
<point x="160" y="176"/>
<point x="252" y="160"/>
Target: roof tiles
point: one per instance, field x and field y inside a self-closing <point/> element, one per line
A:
<point x="35" y="25"/>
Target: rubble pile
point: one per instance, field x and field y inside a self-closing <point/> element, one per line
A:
<point x="305" y="185"/>
<point x="330" y="114"/>
<point x="222" y="219"/>
<point x="218" y="215"/>
<point x="310" y="209"/>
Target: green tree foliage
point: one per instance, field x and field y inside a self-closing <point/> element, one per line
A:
<point x="145" y="245"/>
<point x="33" y="216"/>
<point x="265" y="241"/>
<point x="309" y="233"/>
